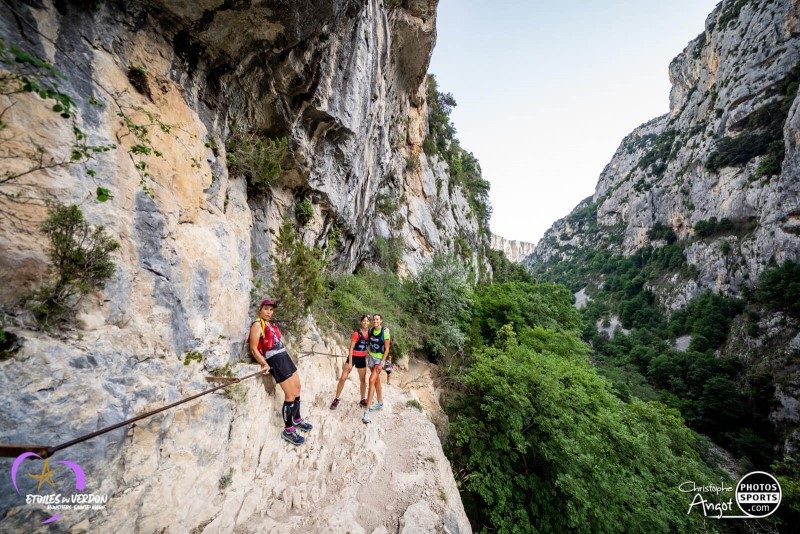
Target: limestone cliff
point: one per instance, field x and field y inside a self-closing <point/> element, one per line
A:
<point x="515" y="251"/>
<point x="735" y="82"/>
<point x="344" y="82"/>
<point x="718" y="175"/>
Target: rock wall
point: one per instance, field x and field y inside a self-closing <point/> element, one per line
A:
<point x="743" y="67"/>
<point x="344" y="82"/>
<point x="515" y="251"/>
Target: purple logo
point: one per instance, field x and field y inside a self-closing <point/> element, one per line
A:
<point x="46" y="477"/>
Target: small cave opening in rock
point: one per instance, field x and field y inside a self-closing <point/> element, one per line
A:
<point x="138" y="78"/>
<point x="10" y="343"/>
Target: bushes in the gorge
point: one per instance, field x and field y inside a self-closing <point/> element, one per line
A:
<point x="546" y="446"/>
<point x="644" y="363"/>
<point x="504" y="270"/>
<point x="779" y="288"/>
<point x="707" y="318"/>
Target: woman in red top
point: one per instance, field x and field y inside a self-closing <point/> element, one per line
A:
<point x="358" y="356"/>
<point x="266" y="346"/>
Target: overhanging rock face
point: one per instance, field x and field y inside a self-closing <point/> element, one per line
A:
<point x="344" y="83"/>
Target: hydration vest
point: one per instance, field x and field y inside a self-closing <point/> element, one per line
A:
<point x="376" y="342"/>
<point x="361" y="345"/>
<point x="263" y="345"/>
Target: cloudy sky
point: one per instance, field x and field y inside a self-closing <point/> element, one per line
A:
<point x="547" y="90"/>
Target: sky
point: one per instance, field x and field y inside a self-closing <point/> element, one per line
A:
<point x="546" y="91"/>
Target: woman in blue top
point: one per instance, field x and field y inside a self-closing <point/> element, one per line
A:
<point x="376" y="359"/>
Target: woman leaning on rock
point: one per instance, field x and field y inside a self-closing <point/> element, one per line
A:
<point x="267" y="348"/>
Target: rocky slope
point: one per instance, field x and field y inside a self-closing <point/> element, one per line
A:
<point x="515" y="251"/>
<point x="344" y="83"/>
<point x="718" y="174"/>
<point x="735" y="82"/>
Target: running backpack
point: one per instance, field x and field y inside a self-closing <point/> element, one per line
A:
<point x="363" y="342"/>
<point x="377" y="343"/>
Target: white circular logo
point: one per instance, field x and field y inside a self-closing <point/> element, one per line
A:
<point x="758" y="494"/>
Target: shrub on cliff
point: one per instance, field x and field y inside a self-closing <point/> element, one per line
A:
<point x="259" y="160"/>
<point x="661" y="231"/>
<point x="80" y="256"/>
<point x="389" y="252"/>
<point x="304" y="211"/>
<point x="297" y="278"/>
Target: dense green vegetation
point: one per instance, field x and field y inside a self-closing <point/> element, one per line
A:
<point x="539" y="440"/>
<point x="779" y="288"/>
<point x="713" y="394"/>
<point x="304" y="211"/>
<point x="549" y="448"/>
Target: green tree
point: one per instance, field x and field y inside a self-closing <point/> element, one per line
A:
<point x="80" y="255"/>
<point x="297" y="279"/>
<point x="442" y="303"/>
<point x="779" y="288"/>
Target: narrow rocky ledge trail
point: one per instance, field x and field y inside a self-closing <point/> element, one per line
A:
<point x="387" y="476"/>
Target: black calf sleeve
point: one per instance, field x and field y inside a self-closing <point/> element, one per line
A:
<point x="288" y="412"/>
<point x="297" y="415"/>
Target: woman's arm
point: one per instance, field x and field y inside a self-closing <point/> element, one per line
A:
<point x="255" y="334"/>
<point x="350" y="357"/>
<point x="386" y="343"/>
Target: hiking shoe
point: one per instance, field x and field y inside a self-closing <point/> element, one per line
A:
<point x="334" y="404"/>
<point x="365" y="419"/>
<point x="376" y="406"/>
<point x="303" y="425"/>
<point x="363" y="403"/>
<point x="293" y="437"/>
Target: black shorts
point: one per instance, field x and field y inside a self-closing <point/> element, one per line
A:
<point x="281" y="366"/>
<point x="359" y="362"/>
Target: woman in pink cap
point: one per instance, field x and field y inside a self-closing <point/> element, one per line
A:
<point x="267" y="348"/>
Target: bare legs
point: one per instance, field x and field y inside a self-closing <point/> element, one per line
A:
<point x="291" y="387"/>
<point x="375" y="385"/>
<point x="362" y="377"/>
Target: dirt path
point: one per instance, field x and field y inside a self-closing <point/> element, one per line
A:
<point x="387" y="476"/>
